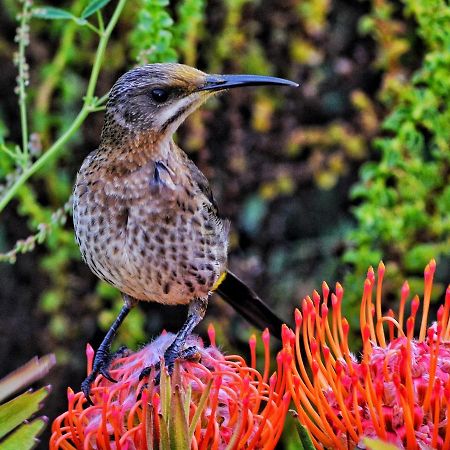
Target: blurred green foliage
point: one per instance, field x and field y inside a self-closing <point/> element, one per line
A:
<point x="151" y="39"/>
<point x="403" y="215"/>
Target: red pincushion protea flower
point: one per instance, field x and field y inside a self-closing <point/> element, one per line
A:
<point x="398" y="391"/>
<point x="216" y="404"/>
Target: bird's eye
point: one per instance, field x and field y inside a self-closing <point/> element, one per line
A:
<point x="159" y="95"/>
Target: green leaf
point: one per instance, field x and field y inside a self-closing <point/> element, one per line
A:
<point x="21" y="408"/>
<point x="187" y="400"/>
<point x="24" y="438"/>
<point x="178" y="426"/>
<point x="304" y="436"/>
<point x="164" y="436"/>
<point x="93" y="7"/>
<point x="165" y="393"/>
<point x="52" y="13"/>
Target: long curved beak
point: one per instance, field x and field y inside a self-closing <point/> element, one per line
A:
<point x="220" y="82"/>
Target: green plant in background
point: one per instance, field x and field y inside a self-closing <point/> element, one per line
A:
<point x="403" y="215"/>
<point x="156" y="37"/>
<point x="51" y="107"/>
<point x="91" y="103"/>
<point x="151" y="39"/>
<point x="330" y="148"/>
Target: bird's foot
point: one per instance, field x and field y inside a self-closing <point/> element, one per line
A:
<point x="101" y="365"/>
<point x="191" y="353"/>
<point x="176" y="349"/>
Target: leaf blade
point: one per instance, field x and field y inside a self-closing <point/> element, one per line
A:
<point x="93" y="7"/>
<point x="52" y="13"/>
<point x="304" y="436"/>
<point x="199" y="410"/>
<point x="25" y="437"/>
<point x="21" y="408"/>
<point x="178" y="426"/>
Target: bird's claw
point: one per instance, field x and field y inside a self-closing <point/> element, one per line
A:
<point x="191" y="353"/>
<point x="145" y="372"/>
<point x="86" y="387"/>
<point x="101" y="364"/>
<point x="106" y="374"/>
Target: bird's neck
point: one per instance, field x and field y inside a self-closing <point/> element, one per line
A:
<point x="125" y="150"/>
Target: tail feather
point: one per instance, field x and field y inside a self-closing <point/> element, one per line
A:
<point x="247" y="303"/>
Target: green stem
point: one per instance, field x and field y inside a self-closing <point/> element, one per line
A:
<point x="39" y="163"/>
<point x="89" y="103"/>
<point x="11" y="154"/>
<point x="101" y="50"/>
<point x="21" y="79"/>
<point x="93" y="109"/>
<point x="102" y="100"/>
<point x="101" y="25"/>
<point x="93" y="28"/>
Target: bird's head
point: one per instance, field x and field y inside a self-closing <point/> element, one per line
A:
<point x="158" y="97"/>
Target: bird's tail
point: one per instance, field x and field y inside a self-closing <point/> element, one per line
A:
<point x="247" y="303"/>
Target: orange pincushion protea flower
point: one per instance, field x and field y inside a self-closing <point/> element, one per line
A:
<point x="398" y="391"/>
<point x="217" y="403"/>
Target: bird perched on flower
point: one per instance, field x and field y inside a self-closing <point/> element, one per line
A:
<point x="220" y="402"/>
<point x="144" y="215"/>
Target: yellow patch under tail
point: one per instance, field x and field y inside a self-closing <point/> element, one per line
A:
<point x="219" y="281"/>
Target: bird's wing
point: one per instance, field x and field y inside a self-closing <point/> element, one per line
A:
<point x="233" y="290"/>
<point x="202" y="183"/>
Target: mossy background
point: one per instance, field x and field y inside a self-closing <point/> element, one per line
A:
<point x="319" y="182"/>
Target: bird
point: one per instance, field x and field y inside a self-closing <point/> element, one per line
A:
<point x="145" y="218"/>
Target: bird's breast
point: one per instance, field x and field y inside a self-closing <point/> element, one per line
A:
<point x="152" y="233"/>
